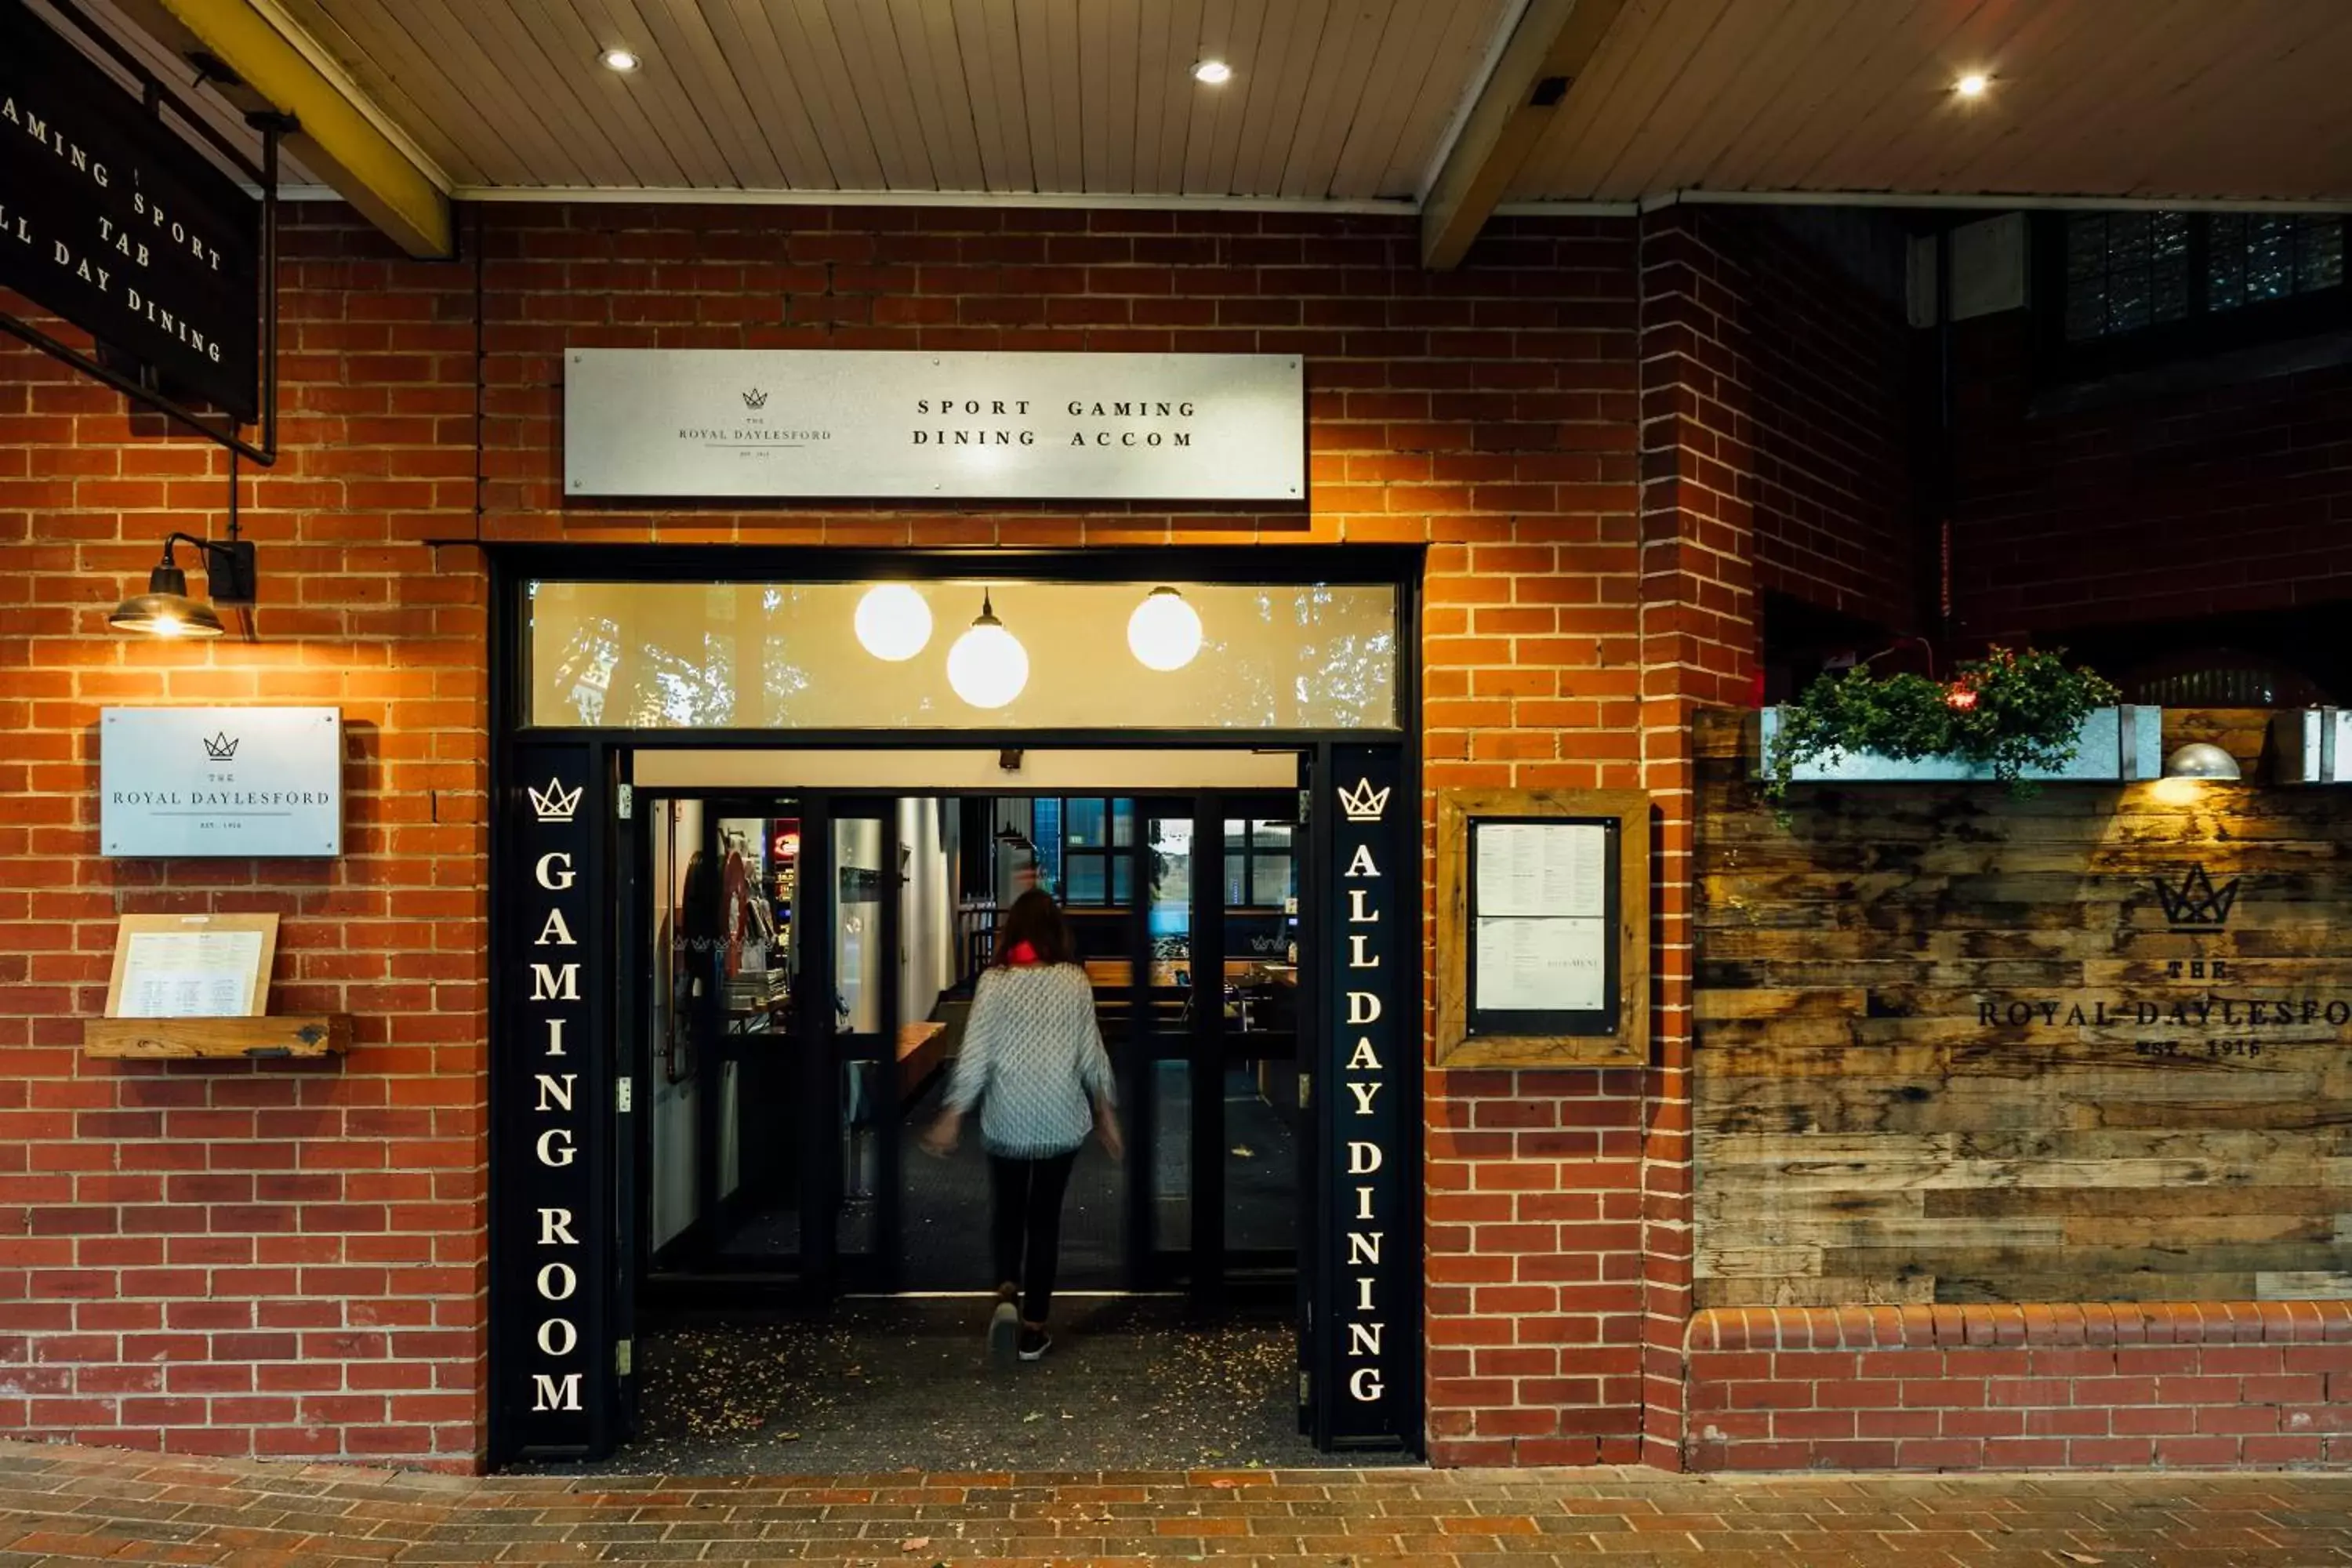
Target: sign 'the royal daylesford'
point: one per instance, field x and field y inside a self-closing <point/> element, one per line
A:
<point x="260" y="782"/>
<point x="111" y="220"/>
<point x="892" y="425"/>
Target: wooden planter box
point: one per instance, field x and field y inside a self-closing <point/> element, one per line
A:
<point x="2117" y="744"/>
<point x="2313" y="746"/>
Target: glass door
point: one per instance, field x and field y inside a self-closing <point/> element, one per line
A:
<point x="1259" y="1061"/>
<point x="1217" y="1030"/>
<point x="1160" y="1046"/>
<point x="719" y="1191"/>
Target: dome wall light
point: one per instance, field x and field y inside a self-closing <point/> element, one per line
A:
<point x="2200" y="760"/>
<point x="894" y="622"/>
<point x="1212" y="73"/>
<point x="165" y="610"/>
<point x="988" y="667"/>
<point x="1164" y="632"/>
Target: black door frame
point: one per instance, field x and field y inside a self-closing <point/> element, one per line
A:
<point x="522" y="1425"/>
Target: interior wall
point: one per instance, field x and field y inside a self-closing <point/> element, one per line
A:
<point x="926" y="910"/>
<point x="675" y="1130"/>
<point x="860" y="970"/>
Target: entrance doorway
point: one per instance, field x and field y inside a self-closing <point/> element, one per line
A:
<point x="748" y="853"/>
<point x="813" y="955"/>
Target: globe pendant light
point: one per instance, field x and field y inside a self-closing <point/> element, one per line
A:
<point x="988" y="667"/>
<point x="1164" y="632"/>
<point x="894" y="622"/>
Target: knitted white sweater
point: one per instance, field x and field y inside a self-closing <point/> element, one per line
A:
<point x="1033" y="1057"/>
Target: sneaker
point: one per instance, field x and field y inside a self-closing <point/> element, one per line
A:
<point x="1035" y="1343"/>
<point x="1003" y="1334"/>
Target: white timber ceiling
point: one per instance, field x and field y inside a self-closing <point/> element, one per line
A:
<point x="1330" y="99"/>
<point x="2194" y="100"/>
<point x="1448" y="108"/>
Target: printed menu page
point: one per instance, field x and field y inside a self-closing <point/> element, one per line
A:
<point x="191" y="975"/>
<point x="1543" y="868"/>
<point x="1542" y="965"/>
<point x="1542" y="917"/>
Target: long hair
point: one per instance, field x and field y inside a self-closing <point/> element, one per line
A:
<point x="1035" y="919"/>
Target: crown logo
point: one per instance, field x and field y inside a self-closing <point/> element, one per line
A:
<point x="1363" y="803"/>
<point x="755" y="399"/>
<point x="2196" y="901"/>
<point x="555" y="804"/>
<point x="220" y="748"/>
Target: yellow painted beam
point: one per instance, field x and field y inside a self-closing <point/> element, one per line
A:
<point x="1554" y="41"/>
<point x="337" y="137"/>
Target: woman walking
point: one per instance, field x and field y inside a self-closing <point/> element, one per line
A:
<point x="1032" y="1059"/>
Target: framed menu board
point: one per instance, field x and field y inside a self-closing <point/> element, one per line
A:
<point x="1543" y="928"/>
<point x="192" y="966"/>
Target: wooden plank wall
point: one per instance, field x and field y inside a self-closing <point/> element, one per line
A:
<point x="1951" y="1048"/>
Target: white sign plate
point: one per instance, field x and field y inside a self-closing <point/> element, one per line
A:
<point x="814" y="422"/>
<point x="262" y="782"/>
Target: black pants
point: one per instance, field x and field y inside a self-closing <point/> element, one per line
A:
<point x="1027" y="1201"/>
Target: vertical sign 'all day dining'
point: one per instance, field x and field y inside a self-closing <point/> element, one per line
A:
<point x="555" y="1392"/>
<point x="1371" y="1322"/>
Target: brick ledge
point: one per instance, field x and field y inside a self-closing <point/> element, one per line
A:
<point x="2053" y="1323"/>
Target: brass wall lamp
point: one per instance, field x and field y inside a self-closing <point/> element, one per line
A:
<point x="165" y="610"/>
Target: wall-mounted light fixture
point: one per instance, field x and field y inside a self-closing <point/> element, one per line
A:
<point x="2200" y="760"/>
<point x="165" y="610"/>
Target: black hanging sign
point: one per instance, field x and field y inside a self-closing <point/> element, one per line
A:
<point x="551" y="1358"/>
<point x="1372" y="921"/>
<point x="112" y="221"/>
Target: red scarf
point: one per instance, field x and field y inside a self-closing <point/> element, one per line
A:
<point x="1020" y="952"/>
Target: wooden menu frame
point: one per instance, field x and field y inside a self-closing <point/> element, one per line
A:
<point x="1467" y="1037"/>
<point x="130" y="925"/>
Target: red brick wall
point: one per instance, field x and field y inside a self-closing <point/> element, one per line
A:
<point x="2220" y="496"/>
<point x="1488" y="413"/>
<point x="269" y="1259"/>
<point x="2084" y="1387"/>
<point x="254" y="1258"/>
<point x="1806" y="405"/>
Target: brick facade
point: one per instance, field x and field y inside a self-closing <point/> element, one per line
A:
<point x="290" y="1260"/>
<point x="1598" y="428"/>
<point x="275" y="1258"/>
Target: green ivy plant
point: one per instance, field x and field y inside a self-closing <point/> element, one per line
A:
<point x="2012" y="713"/>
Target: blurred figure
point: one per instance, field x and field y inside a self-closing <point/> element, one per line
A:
<point x="1032" y="1060"/>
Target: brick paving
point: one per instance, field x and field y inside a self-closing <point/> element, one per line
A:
<point x="61" y="1505"/>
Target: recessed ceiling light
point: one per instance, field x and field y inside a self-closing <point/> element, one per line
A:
<point x="1214" y="72"/>
<point x="1972" y="85"/>
<point x="619" y="60"/>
